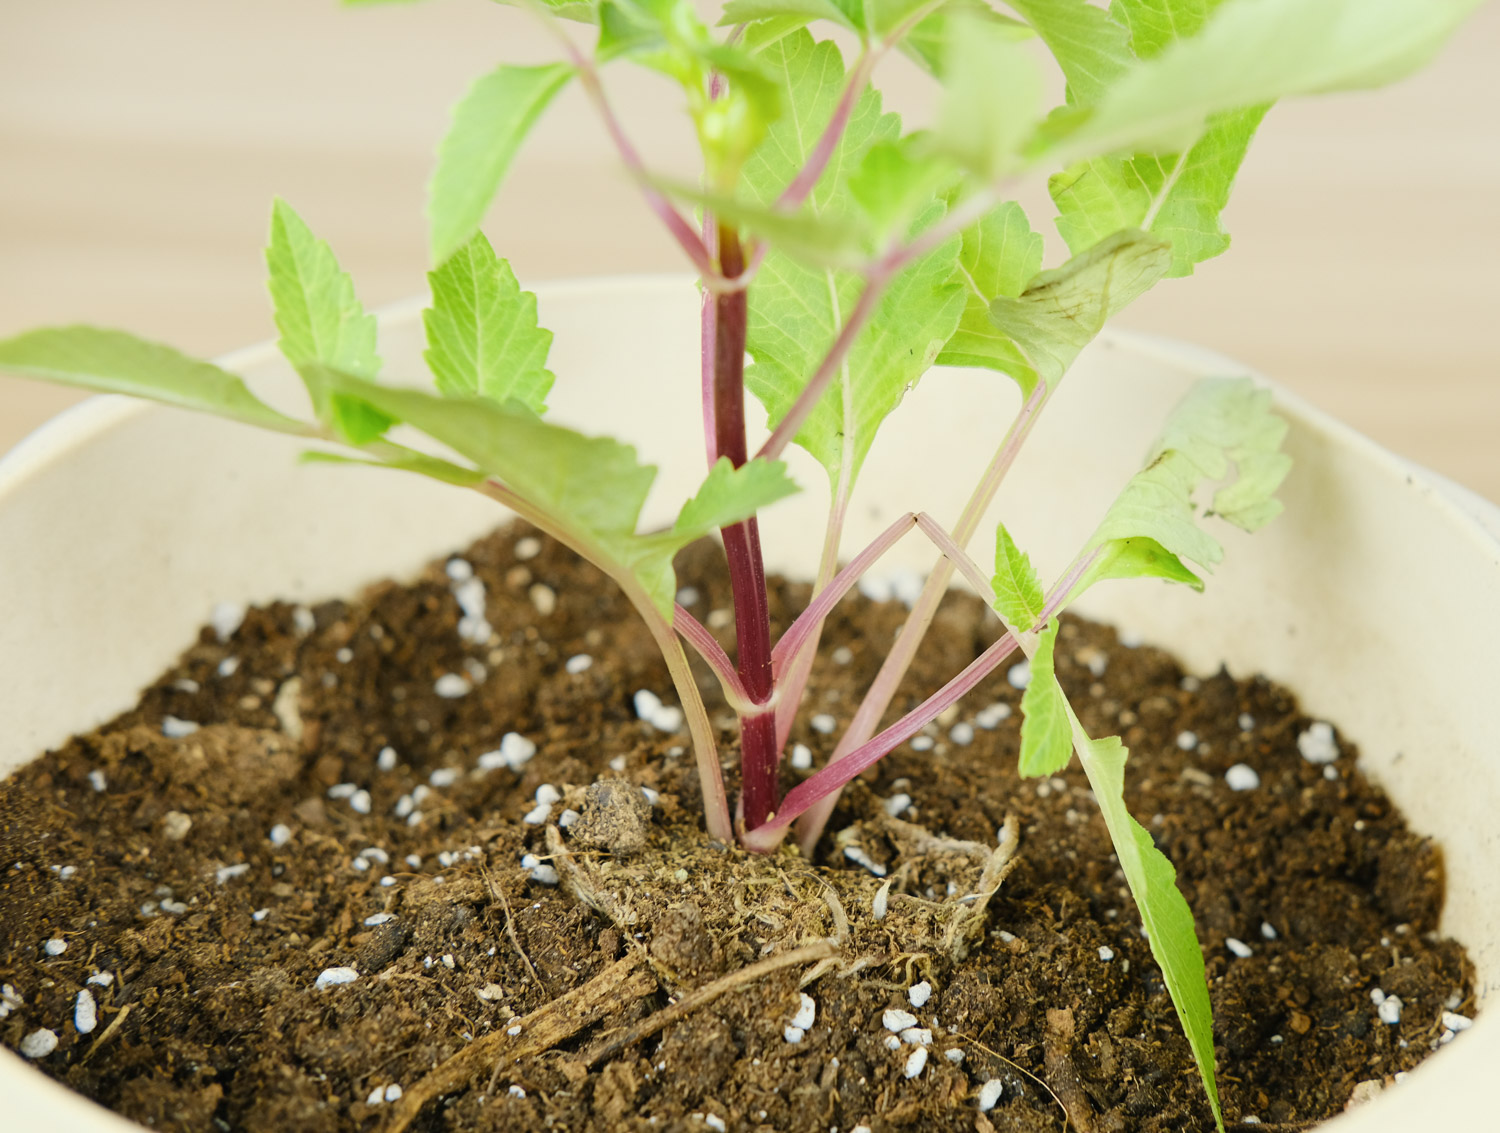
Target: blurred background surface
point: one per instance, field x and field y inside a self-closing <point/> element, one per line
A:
<point x="141" y="143"/>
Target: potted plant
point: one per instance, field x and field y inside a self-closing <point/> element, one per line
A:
<point x="847" y="257"/>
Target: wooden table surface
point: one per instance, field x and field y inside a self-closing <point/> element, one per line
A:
<point x="141" y="143"/>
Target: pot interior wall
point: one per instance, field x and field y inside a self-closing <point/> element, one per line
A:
<point x="1376" y="596"/>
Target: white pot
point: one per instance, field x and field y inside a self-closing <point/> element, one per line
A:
<point x="1376" y="596"/>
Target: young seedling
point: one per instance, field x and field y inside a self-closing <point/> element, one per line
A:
<point x="843" y="256"/>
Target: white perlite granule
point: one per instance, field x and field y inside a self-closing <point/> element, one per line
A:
<point x="85" y="1013"/>
<point x="989" y="1094"/>
<point x="919" y="994"/>
<point x="333" y="977"/>
<point x="1317" y="744"/>
<point x="39" y="1044"/>
<point x="807" y="1013"/>
<point x="895" y="1020"/>
<point x="916" y="1062"/>
<point x="1242" y="777"/>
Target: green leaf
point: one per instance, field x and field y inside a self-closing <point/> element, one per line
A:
<point x="835" y="241"/>
<point x="749" y="11"/>
<point x="1164" y="911"/>
<point x="796" y="311"/>
<point x="593" y="488"/>
<point x="319" y="317"/>
<point x="1154" y="25"/>
<point x="1046" y="735"/>
<point x="810" y="79"/>
<point x="927" y="43"/>
<point x="895" y="182"/>
<point x="667" y="36"/>
<point x="482" y="332"/>
<point x="1017" y="589"/>
<point x="112" y="361"/>
<point x="321" y="321"/>
<point x="489" y="124"/>
<point x="1255" y="51"/>
<point x="1223" y="426"/>
<point x="1176" y="196"/>
<point x="1089" y="46"/>
<point x="795" y="314"/>
<point x="728" y="495"/>
<point x="1000" y="255"/>
<point x="992" y="95"/>
<point x="1062" y="310"/>
<point x="404" y="460"/>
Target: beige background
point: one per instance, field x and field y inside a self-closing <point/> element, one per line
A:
<point x="141" y="142"/>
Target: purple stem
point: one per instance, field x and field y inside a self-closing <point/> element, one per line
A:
<point x="835" y="775"/>
<point x="680" y="229"/>
<point x="747" y="576"/>
<point x="810" y="619"/>
<point x="817" y="161"/>
<point x="832" y="777"/>
<point x="708" y="648"/>
<point x="955" y="555"/>
<point x="878" y="697"/>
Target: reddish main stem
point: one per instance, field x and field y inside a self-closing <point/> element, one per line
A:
<point x="747" y="575"/>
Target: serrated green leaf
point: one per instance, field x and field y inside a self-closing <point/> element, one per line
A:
<point x="1223" y="425"/>
<point x="992" y="95"/>
<point x="1016" y="587"/>
<point x="316" y="310"/>
<point x="592" y="487"/>
<point x="728" y="495"/>
<point x="1164" y="911"/>
<point x="795" y="317"/>
<point x="1178" y="197"/>
<point x="809" y="76"/>
<point x="1139" y="557"/>
<point x="489" y="124"/>
<point x="895" y="182"/>
<point x="321" y="321"/>
<point x="482" y="332"/>
<point x="1046" y="735"/>
<point x="796" y="310"/>
<point x="926" y="44"/>
<point x="1154" y="25"/>
<point x="112" y="361"/>
<point x="1063" y="309"/>
<point x="1255" y="51"/>
<point x="1088" y="45"/>
<point x="1000" y="255"/>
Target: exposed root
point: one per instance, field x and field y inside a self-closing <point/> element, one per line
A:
<point x="586" y="884"/>
<point x="693" y="1000"/>
<point x="611" y="991"/>
<point x="109" y="1031"/>
<point x="968" y="925"/>
<point x="498" y="894"/>
<point x="1067" y="1086"/>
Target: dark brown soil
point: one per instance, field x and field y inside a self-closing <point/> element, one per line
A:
<point x="503" y="1002"/>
